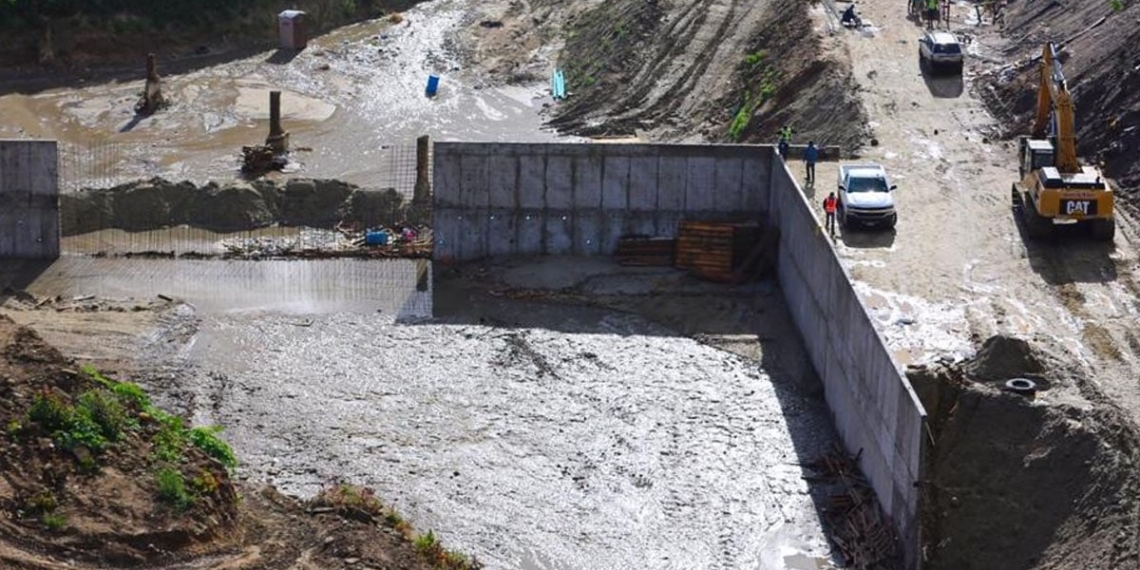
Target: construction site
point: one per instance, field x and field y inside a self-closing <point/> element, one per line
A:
<point x="550" y="285"/>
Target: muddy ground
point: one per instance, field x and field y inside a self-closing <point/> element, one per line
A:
<point x="643" y="441"/>
<point x="62" y="513"/>
<point x="957" y="271"/>
<point x="353" y="102"/>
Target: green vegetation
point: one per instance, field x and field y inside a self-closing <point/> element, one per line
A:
<point x="206" y="439"/>
<point x="172" y="488"/>
<point x="93" y="423"/>
<point x="759" y="73"/>
<point x="99" y="417"/>
<point x="1117" y="5"/>
<point x="54" y="521"/>
<point x="205" y="483"/>
<point x="434" y="552"/>
<point x="42" y="502"/>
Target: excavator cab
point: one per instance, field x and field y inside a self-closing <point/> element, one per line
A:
<point x="1055" y="188"/>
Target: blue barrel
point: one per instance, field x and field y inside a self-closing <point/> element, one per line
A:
<point x="376" y="238"/>
<point x="432" y="85"/>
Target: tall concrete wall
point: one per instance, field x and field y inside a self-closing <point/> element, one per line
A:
<point x="579" y="199"/>
<point x="29" y="200"/>
<point x="506" y="199"/>
<point x="873" y="405"/>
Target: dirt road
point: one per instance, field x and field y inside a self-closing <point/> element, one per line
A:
<point x="959" y="268"/>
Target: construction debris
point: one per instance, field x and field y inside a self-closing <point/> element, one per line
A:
<point x="257" y="160"/>
<point x="862" y="534"/>
<point x="646" y="251"/>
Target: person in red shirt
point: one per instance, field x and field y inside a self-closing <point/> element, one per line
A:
<point x="830" y="205"/>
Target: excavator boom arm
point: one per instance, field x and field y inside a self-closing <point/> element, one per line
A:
<point x="1055" y="102"/>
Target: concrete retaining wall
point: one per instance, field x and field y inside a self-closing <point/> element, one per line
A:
<point x="579" y="199"/>
<point x="873" y="405"/>
<point x="508" y="199"/>
<point x="29" y="200"/>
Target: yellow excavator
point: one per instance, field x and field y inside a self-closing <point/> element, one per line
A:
<point x="1055" y="188"/>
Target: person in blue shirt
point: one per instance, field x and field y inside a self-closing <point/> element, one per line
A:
<point x="811" y="155"/>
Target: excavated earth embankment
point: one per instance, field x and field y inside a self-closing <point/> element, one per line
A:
<point x="705" y="70"/>
<point x="1024" y="483"/>
<point x="235" y="206"/>
<point x="1101" y="55"/>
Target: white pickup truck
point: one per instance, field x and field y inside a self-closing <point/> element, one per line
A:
<point x="865" y="197"/>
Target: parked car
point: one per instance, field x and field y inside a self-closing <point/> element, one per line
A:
<point x="939" y="50"/>
<point x="865" y="197"/>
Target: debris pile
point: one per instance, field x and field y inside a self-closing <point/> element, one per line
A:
<point x="260" y="159"/>
<point x="860" y="531"/>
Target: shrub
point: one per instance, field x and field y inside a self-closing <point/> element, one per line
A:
<point x="132" y="394"/>
<point x="170" y="440"/>
<point x="54" y="521"/>
<point x="206" y="439"/>
<point x="50" y="411"/>
<point x="205" y="483"/>
<point x="172" y="488"/>
<point x="42" y="502"/>
<point x="105" y="410"/>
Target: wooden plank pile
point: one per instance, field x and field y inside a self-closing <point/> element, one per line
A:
<point x="725" y="252"/>
<point x="856" y="524"/>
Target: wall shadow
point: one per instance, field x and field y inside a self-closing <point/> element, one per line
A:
<point x="17" y="274"/>
<point x="1070" y="255"/>
<point x="283" y="56"/>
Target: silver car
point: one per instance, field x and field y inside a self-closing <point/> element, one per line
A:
<point x="940" y="50"/>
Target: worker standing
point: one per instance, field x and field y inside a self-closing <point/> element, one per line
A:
<point x="811" y="154"/>
<point x="931" y="13"/>
<point x="785" y="140"/>
<point x="830" y="204"/>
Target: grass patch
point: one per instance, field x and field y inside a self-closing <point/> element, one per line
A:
<point x="206" y="439"/>
<point x="172" y="488"/>
<point x="429" y="547"/>
<point x="54" y="521"/>
<point x="761" y="75"/>
<point x="170" y="441"/>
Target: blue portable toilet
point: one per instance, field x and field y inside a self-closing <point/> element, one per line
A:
<point x="432" y="85"/>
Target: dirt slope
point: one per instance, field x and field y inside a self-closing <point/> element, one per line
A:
<point x="682" y="70"/>
<point x="1102" y="65"/>
<point x="1016" y="485"/>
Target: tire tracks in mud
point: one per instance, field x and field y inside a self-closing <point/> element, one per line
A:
<point x="1076" y="272"/>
